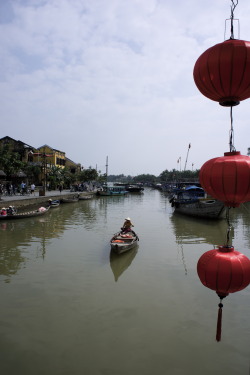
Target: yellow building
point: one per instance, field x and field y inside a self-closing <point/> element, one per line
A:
<point x="45" y="157"/>
<point x="49" y="156"/>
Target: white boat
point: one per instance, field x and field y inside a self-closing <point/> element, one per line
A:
<point x="122" y="242"/>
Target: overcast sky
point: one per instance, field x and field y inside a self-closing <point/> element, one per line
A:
<point x="98" y="78"/>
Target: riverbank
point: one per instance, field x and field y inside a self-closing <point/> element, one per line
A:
<point x="30" y="200"/>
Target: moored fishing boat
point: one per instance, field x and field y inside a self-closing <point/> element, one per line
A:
<point x="192" y="201"/>
<point x="122" y="242"/>
<point x="134" y="188"/>
<point x="41" y="211"/>
<point x="74" y="198"/>
<point x="54" y="203"/>
<point x="85" y="197"/>
<point x="112" y="191"/>
<point x="107" y="190"/>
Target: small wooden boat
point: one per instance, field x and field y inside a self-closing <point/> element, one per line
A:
<point x="41" y="211"/>
<point x="122" y="242"/>
<point x="54" y="204"/>
<point x="85" y="197"/>
<point x="75" y="198"/>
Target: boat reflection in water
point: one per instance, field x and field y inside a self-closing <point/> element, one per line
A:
<point x="120" y="262"/>
<point x="189" y="230"/>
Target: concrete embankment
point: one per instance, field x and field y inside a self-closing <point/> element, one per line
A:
<point x="36" y="200"/>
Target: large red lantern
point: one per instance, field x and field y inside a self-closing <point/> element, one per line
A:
<point x="225" y="271"/>
<point x="222" y="72"/>
<point x="227" y="178"/>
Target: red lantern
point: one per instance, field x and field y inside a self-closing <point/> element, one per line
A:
<point x="225" y="271"/>
<point x="222" y="72"/>
<point x="227" y="178"/>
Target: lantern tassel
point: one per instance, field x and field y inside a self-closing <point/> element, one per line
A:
<point x="219" y="323"/>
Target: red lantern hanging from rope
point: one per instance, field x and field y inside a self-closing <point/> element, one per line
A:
<point x="222" y="72"/>
<point x="227" y="178"/>
<point x="225" y="271"/>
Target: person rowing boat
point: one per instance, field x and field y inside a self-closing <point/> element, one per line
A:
<point x="127" y="226"/>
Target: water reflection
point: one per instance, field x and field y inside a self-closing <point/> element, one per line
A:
<point x="63" y="309"/>
<point x="119" y="263"/>
<point x="18" y="235"/>
<point x="240" y="221"/>
<point x="190" y="230"/>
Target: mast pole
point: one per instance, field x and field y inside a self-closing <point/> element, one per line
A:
<point x="107" y="169"/>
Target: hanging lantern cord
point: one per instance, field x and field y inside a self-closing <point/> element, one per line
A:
<point x="229" y="226"/>
<point x="233" y="6"/>
<point x="231" y="132"/>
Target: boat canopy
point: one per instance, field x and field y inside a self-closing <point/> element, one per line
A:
<point x="194" y="187"/>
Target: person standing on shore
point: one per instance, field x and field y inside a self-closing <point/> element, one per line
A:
<point x="60" y="188"/>
<point x="32" y="188"/>
<point x="23" y="187"/>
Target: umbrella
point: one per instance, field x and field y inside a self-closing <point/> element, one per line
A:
<point x="20" y="174"/>
<point x="2" y="174"/>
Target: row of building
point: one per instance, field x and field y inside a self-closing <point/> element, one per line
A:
<point x="44" y="156"/>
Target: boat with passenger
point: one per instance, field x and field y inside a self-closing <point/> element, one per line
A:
<point x="22" y="215"/>
<point x="122" y="242"/>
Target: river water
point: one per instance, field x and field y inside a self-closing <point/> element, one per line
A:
<point x="69" y="307"/>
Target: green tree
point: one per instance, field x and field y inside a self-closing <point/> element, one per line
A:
<point x="145" y="178"/>
<point x="54" y="177"/>
<point x="10" y="162"/>
<point x="175" y="175"/>
<point x="89" y="174"/>
<point x="59" y="176"/>
<point x="32" y="172"/>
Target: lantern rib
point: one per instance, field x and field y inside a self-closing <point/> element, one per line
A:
<point x="231" y="72"/>
<point x="223" y="289"/>
<point x="242" y="273"/>
<point x="207" y="278"/>
<point x="209" y="72"/>
<point x="217" y="278"/>
<point x="220" y="70"/>
<point x="248" y="189"/>
<point x="236" y="180"/>
<point x="204" y="88"/>
<point x="242" y="77"/>
<point x="246" y="195"/>
<point x="231" y="277"/>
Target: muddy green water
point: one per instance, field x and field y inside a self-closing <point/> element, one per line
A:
<point x="69" y="307"/>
